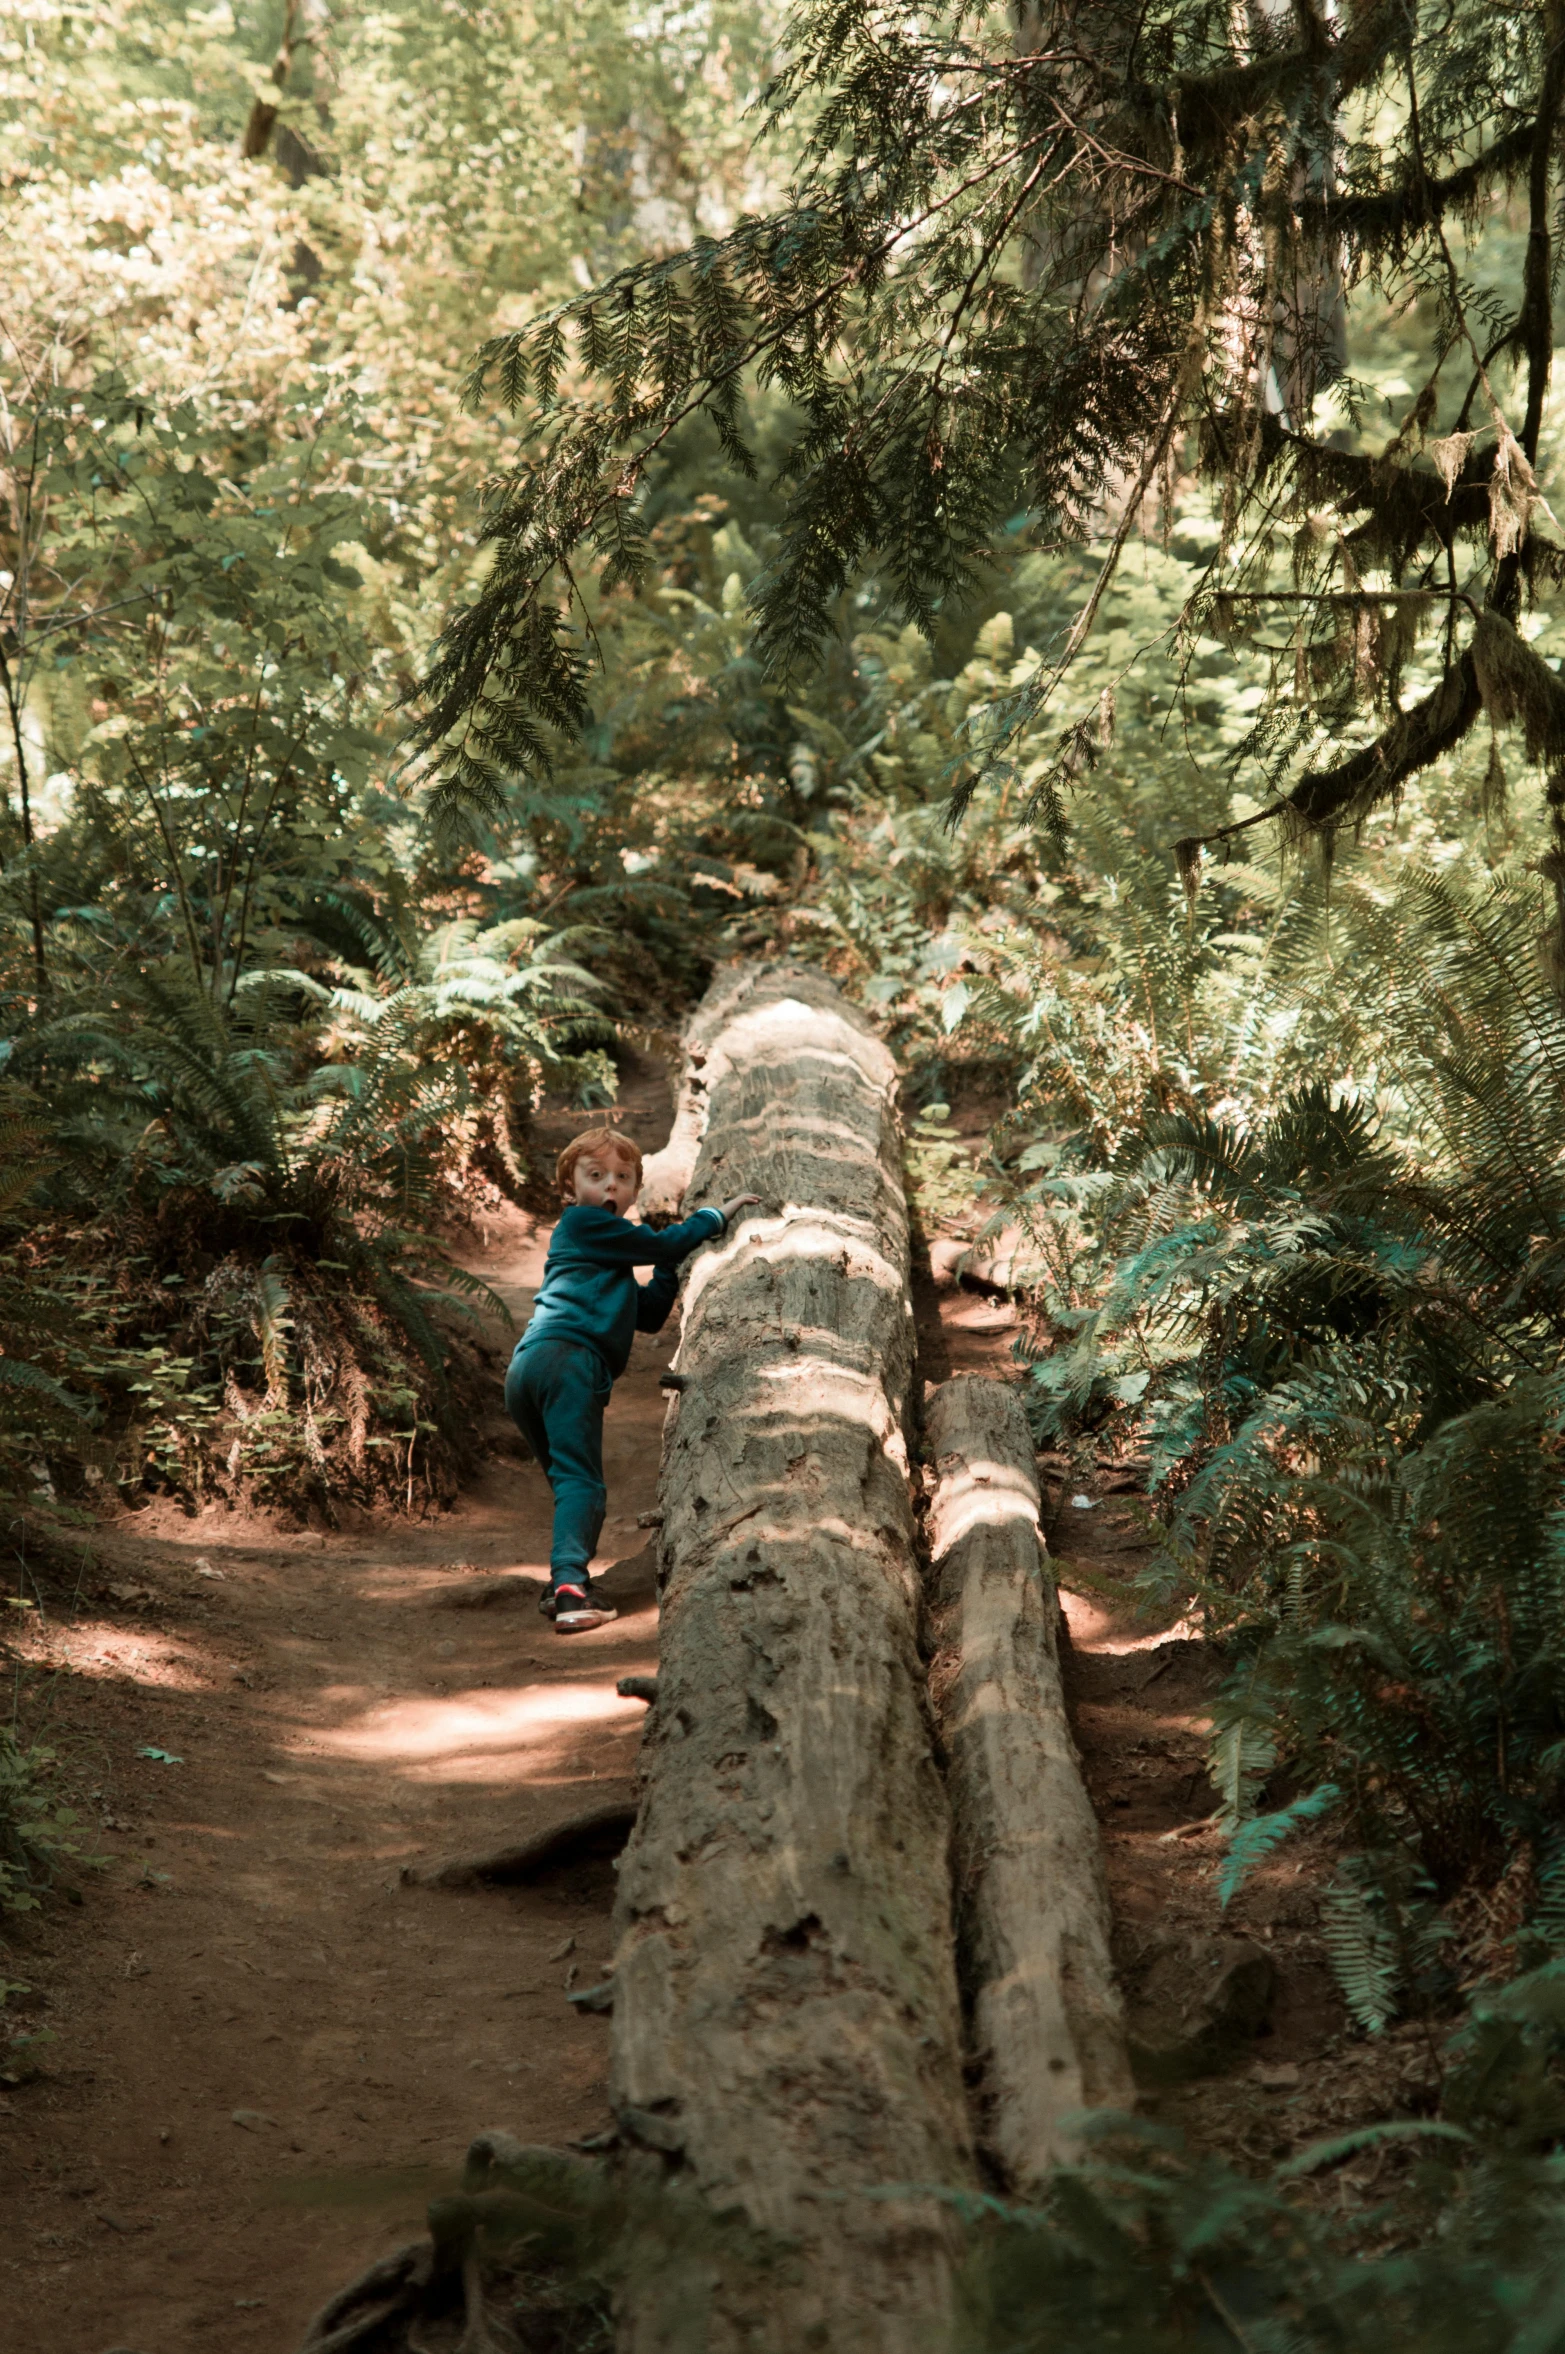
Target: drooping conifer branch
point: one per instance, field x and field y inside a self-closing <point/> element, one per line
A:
<point x="1001" y="261"/>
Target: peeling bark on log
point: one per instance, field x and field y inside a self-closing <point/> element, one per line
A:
<point x="1032" y="1911"/>
<point x="787" y="2030"/>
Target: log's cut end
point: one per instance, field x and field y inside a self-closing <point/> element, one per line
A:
<point x="787" y="2031"/>
<point x="1033" y="1917"/>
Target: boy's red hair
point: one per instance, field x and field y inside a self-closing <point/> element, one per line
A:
<point x="610" y="1142"/>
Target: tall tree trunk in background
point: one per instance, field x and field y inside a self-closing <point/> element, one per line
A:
<point x="1032" y="1910"/>
<point x="1309" y="305"/>
<point x="787" y="2034"/>
<point x="261" y="120"/>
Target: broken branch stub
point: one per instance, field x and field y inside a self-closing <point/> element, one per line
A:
<point x="1032" y="1911"/>
<point x="787" y="2032"/>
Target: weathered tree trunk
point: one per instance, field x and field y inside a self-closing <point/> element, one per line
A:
<point x="787" y="2032"/>
<point x="1032" y="1913"/>
<point x="667" y="1175"/>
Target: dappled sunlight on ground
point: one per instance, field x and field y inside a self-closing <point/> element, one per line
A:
<point x="1097" y="1628"/>
<point x="479" y="1736"/>
<point x="250" y="1995"/>
<point x="98" y="1648"/>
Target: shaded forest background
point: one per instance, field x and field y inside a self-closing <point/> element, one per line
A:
<point x="1272" y="1142"/>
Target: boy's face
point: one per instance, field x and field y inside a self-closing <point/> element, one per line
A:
<point x="604" y="1181"/>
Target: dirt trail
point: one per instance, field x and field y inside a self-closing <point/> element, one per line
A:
<point x="255" y="2020"/>
<point x="268" y="2047"/>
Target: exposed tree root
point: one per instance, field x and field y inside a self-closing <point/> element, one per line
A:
<point x="480" y="2336"/>
<point x="522" y="2226"/>
<point x="356" y="2316"/>
<point x="632" y="1580"/>
<point x="368" y="2333"/>
<point x="598" y="1832"/>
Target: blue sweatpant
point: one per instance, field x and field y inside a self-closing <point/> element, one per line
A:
<point x="555" y="1393"/>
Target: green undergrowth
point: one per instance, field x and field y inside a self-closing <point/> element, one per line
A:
<point x="224" y="1272"/>
<point x="1313" y="1289"/>
<point x="41" y="1837"/>
<point x="46" y="1848"/>
<point x="1274" y="1180"/>
<point x="1458" y="2252"/>
<point x="1138" y="2248"/>
<point x="270" y="1377"/>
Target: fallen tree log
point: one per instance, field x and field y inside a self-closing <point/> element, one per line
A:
<point x="1032" y="1912"/>
<point x="788" y="2040"/>
<point x="787" y="2033"/>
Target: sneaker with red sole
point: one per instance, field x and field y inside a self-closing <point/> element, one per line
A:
<point x="576" y="1611"/>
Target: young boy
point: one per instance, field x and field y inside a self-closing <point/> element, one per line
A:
<point x="578" y="1340"/>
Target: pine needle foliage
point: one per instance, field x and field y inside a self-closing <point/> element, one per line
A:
<point x="1031" y="263"/>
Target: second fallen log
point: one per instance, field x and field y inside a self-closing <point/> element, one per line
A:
<point x="1032" y="1911"/>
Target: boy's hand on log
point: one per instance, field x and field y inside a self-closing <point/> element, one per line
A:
<point x="741" y="1201"/>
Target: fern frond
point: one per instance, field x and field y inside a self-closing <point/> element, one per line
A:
<point x="1253" y="1841"/>
<point x="17" y="1373"/>
<point x="1243" y="1752"/>
<point x="1361" y="1950"/>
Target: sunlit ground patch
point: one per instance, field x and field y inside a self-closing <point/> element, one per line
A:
<point x="516" y="1734"/>
<point x="1095" y="1629"/>
<point x="101" y="1649"/>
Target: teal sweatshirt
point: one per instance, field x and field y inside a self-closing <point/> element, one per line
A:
<point x="589" y="1291"/>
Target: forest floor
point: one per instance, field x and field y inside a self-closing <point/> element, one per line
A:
<point x="268" y="2050"/>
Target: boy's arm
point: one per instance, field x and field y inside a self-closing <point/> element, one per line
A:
<point x="655" y="1299"/>
<point x="613" y="1242"/>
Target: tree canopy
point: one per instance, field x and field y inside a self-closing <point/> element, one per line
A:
<point x="1031" y="268"/>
